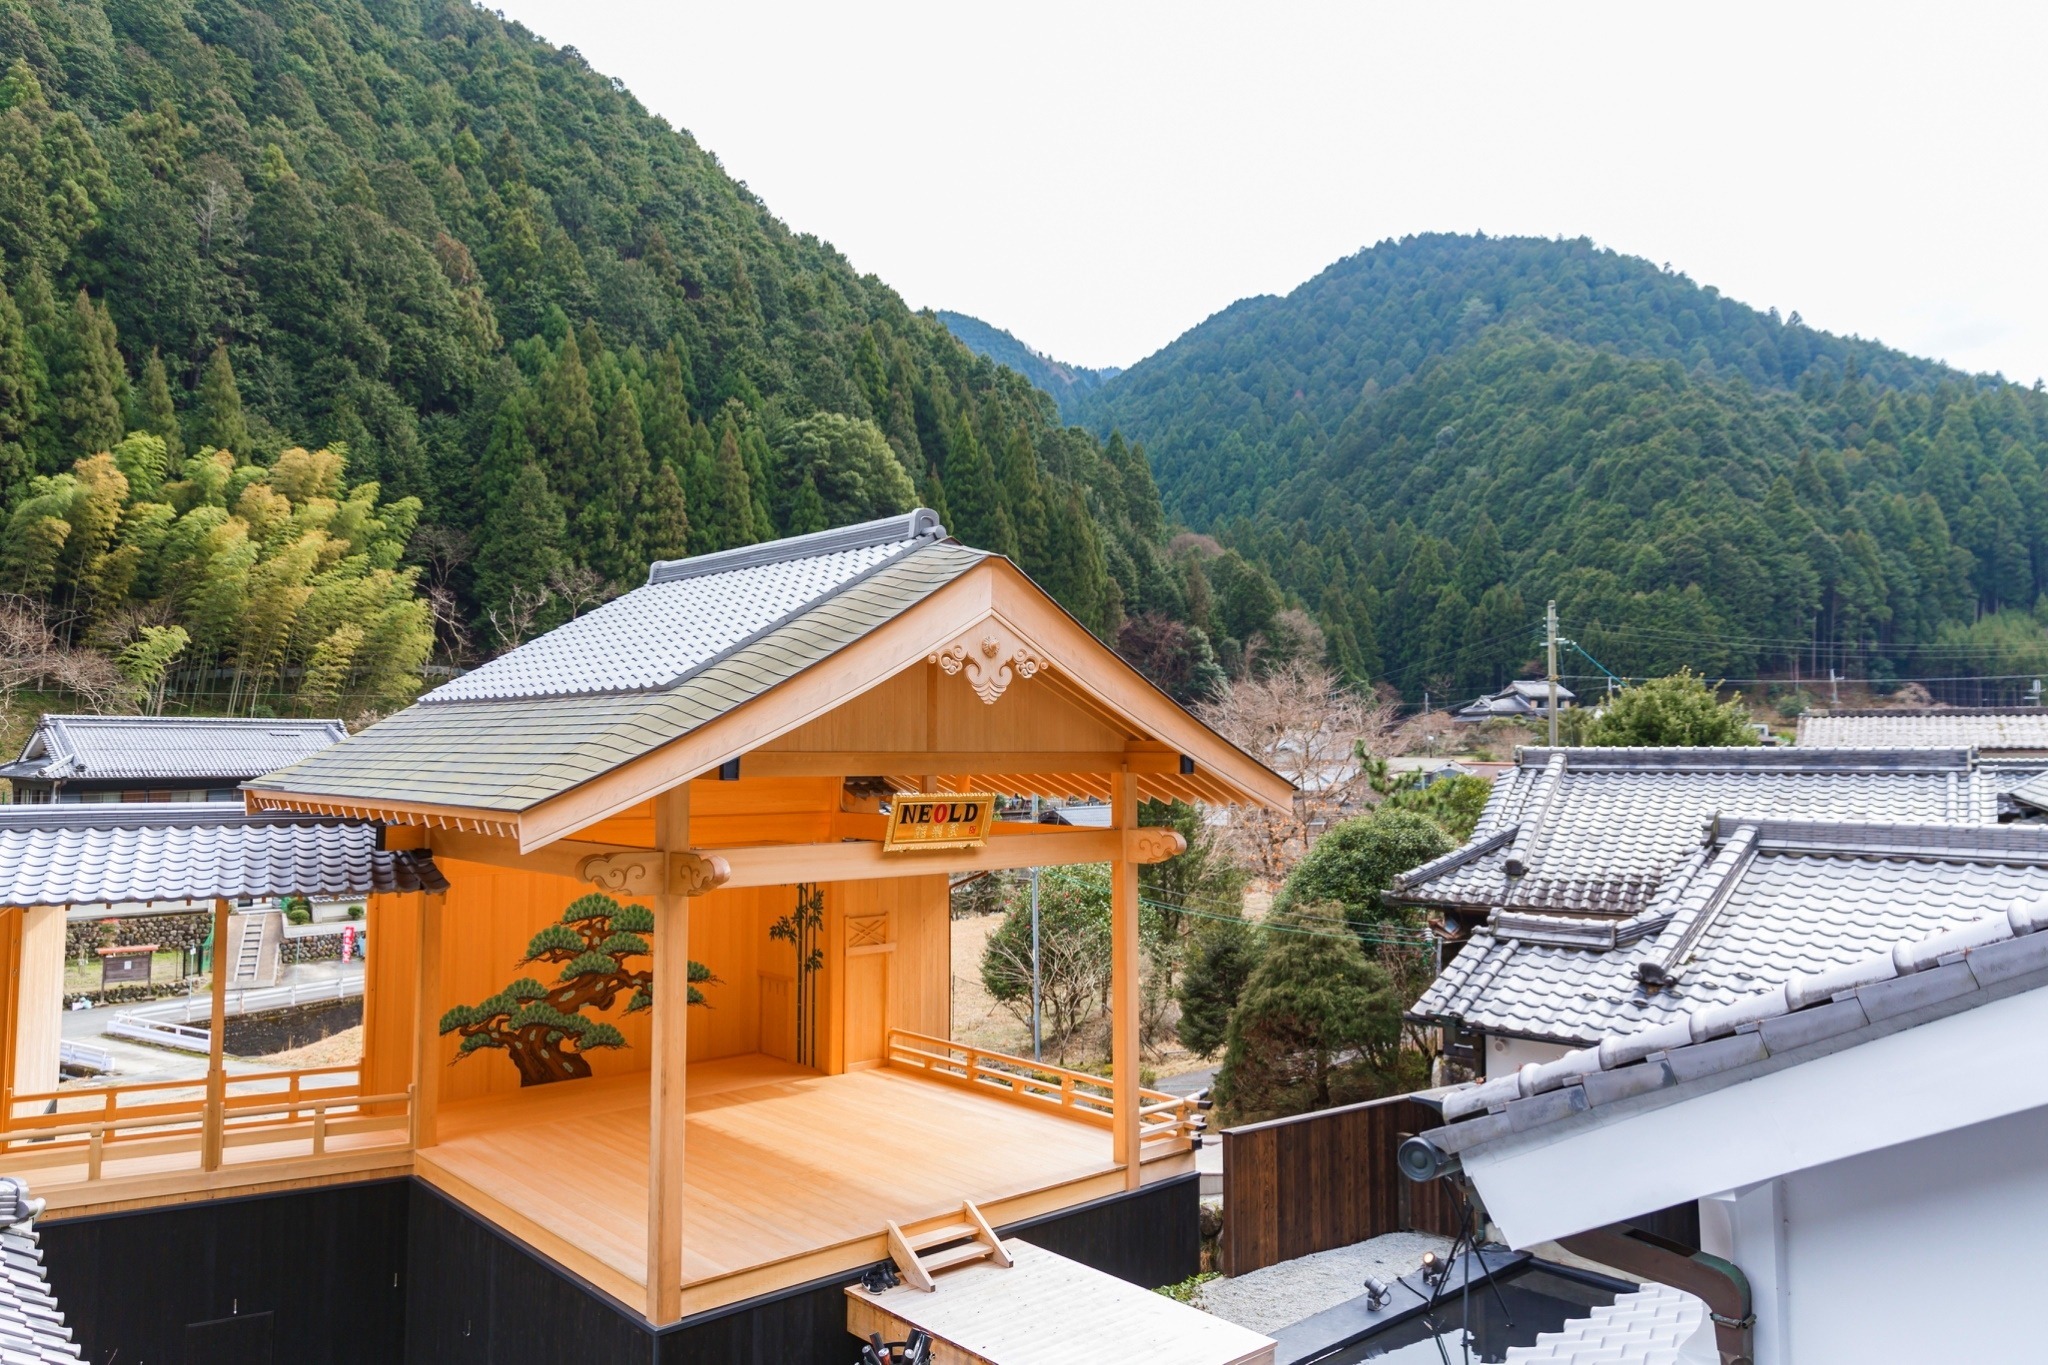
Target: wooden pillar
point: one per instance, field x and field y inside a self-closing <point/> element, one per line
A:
<point x="36" y="998"/>
<point x="669" y="1072"/>
<point x="10" y="1005"/>
<point x="426" y="1013"/>
<point x="1123" y="992"/>
<point x="210" y="1146"/>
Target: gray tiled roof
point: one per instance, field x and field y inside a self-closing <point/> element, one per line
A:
<point x="504" y="749"/>
<point x="167" y="748"/>
<point x="1764" y="901"/>
<point x="1947" y="972"/>
<point x="689" y="612"/>
<point x="1598" y="831"/>
<point x="1988" y="729"/>
<point x="89" y="855"/>
<point x="32" y="1330"/>
<point x="2006" y="776"/>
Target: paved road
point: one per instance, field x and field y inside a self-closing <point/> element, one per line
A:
<point x="135" y="1062"/>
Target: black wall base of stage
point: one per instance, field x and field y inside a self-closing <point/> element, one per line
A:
<point x="394" y="1273"/>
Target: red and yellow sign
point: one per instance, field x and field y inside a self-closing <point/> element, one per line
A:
<point x="939" y="820"/>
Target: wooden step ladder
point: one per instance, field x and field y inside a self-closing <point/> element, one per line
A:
<point x="925" y="1249"/>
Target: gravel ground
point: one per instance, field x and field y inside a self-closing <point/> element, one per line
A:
<point x="1293" y="1290"/>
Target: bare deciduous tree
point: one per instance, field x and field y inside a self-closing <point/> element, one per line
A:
<point x="32" y="655"/>
<point x="512" y="623"/>
<point x="212" y="206"/>
<point x="580" y="588"/>
<point x="1304" y="724"/>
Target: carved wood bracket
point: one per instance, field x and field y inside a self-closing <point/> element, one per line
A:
<point x="1153" y="845"/>
<point x="991" y="656"/>
<point x="640" y="873"/>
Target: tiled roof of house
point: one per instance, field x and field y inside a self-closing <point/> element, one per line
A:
<point x="1762" y="901"/>
<point x="89" y="855"/>
<point x="701" y="637"/>
<point x="1918" y="979"/>
<point x="1519" y="698"/>
<point x="1599" y="831"/>
<point x="1986" y="728"/>
<point x="32" y="1330"/>
<point x="167" y="748"/>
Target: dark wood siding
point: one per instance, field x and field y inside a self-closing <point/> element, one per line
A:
<point x="394" y="1271"/>
<point x="328" y="1266"/>
<point x="1295" y="1186"/>
<point x="1151" y="1237"/>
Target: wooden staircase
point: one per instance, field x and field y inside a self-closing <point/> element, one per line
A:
<point x="929" y="1248"/>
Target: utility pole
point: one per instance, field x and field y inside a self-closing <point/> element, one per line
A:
<point x="1550" y="646"/>
<point x="1834" y="688"/>
<point x="1037" y="1050"/>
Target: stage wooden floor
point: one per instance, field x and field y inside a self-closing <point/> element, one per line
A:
<point x="790" y="1175"/>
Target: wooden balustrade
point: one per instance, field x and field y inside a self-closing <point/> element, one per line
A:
<point x="1090" y="1098"/>
<point x="290" y="1108"/>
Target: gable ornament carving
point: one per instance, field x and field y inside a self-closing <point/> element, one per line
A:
<point x="990" y="657"/>
<point x="639" y="872"/>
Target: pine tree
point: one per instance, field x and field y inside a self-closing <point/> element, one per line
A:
<point x="663" y="530"/>
<point x="521" y="544"/>
<point x="1482" y="563"/>
<point x="973" y="494"/>
<point x="607" y="522"/>
<point x="666" y="420"/>
<point x="217" y="415"/>
<point x="760" y="462"/>
<point x="807" y="509"/>
<point x="1026" y="498"/>
<point x="160" y="415"/>
<point x="727" y="518"/>
<point x="17" y="400"/>
<point x="1141" y="494"/>
<point x="85" y="381"/>
<point x="565" y="433"/>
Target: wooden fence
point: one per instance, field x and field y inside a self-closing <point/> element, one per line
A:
<point x="1296" y="1186"/>
<point x="153" y="1127"/>
<point x="1042" y="1085"/>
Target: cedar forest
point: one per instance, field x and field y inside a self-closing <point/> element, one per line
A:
<point x="342" y="340"/>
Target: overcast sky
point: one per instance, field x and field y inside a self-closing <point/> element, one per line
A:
<point x="1099" y="177"/>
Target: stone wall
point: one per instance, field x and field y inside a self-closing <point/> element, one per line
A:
<point x="175" y="931"/>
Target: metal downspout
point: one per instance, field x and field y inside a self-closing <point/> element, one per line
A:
<point x="1721" y="1284"/>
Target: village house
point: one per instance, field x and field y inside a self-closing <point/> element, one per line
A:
<point x="1844" y="1129"/>
<point x="1585" y="873"/>
<point x="657" y="1056"/>
<point x="1522" y="699"/>
<point x="157" y="758"/>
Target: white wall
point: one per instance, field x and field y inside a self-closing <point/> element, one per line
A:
<point x="1505" y="1056"/>
<point x="1917" y="1253"/>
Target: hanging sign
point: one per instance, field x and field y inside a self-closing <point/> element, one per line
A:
<point x="939" y="820"/>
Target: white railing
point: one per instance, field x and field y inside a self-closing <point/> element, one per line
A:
<point x="84" y="1056"/>
<point x="185" y="1009"/>
<point x="160" y="1032"/>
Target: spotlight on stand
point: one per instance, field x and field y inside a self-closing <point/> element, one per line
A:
<point x="1435" y="1269"/>
<point x="1378" y="1293"/>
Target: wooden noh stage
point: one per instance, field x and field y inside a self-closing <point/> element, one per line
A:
<point x="681" y="795"/>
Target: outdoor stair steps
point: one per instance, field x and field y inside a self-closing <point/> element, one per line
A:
<point x="923" y="1250"/>
<point x="249" y="950"/>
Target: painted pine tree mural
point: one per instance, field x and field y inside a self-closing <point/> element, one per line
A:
<point x="542" y="1027"/>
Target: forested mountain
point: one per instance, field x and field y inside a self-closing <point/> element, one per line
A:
<point x="1066" y="383"/>
<point x="1426" y="441"/>
<point x="533" y="336"/>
